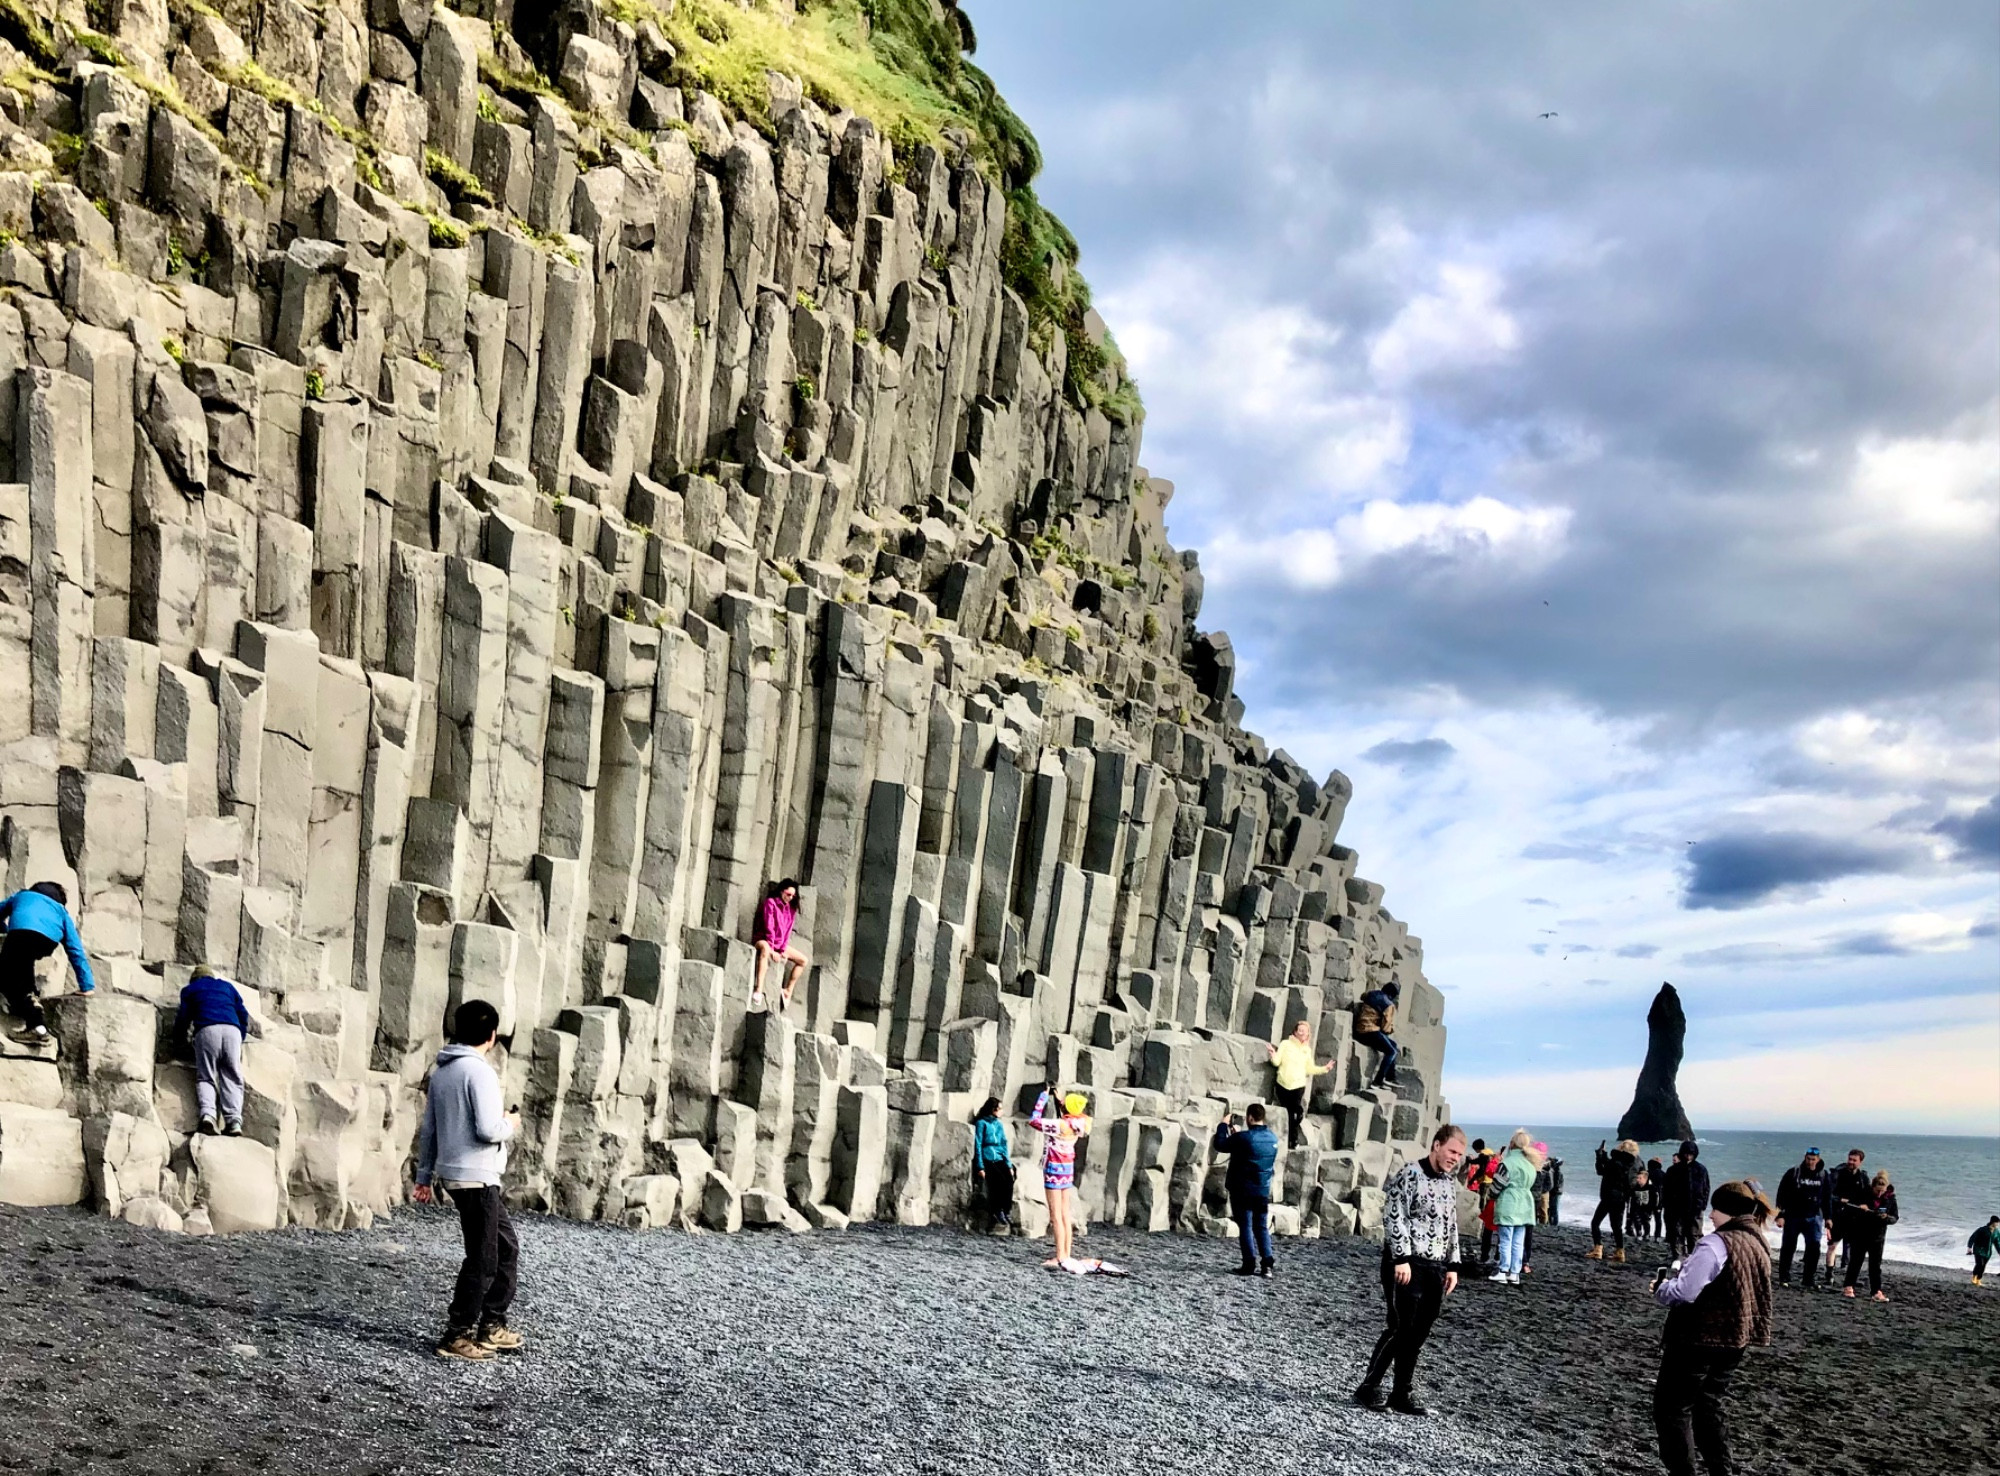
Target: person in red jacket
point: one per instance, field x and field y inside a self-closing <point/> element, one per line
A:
<point x="775" y="920"/>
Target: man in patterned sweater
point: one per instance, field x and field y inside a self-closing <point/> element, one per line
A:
<point x="1419" y="1267"/>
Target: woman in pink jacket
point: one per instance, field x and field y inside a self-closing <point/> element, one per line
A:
<point x="774" y="939"/>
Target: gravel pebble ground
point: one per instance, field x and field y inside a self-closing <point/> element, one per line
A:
<point x="880" y="1350"/>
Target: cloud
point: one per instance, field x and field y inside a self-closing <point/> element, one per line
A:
<point x="1734" y="871"/>
<point x="1639" y="950"/>
<point x="1566" y="851"/>
<point x="1415" y="756"/>
<point x="1460" y="325"/>
<point x="1901" y="937"/>
<point x="1977" y="835"/>
<point x="1536" y="902"/>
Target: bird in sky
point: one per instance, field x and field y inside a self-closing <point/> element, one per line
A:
<point x="1548" y="115"/>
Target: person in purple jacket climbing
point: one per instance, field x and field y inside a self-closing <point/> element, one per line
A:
<point x="774" y="939"/>
<point x="37" y="923"/>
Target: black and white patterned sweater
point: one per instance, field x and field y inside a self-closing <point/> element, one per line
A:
<point x="1420" y="1215"/>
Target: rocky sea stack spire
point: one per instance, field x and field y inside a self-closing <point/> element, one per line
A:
<point x="1656" y="1114"/>
<point x="486" y="487"/>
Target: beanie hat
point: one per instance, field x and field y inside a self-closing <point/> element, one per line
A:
<point x="1074" y="1104"/>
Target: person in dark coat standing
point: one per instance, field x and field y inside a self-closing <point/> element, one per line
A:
<point x="1803" y="1196"/>
<point x="1848" y="1199"/>
<point x="1685" y="1195"/>
<point x="1617" y="1181"/>
<point x="1867" y="1230"/>
<point x="1253" y="1154"/>
<point x="1718" y="1305"/>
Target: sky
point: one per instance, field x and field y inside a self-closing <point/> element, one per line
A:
<point x="1614" y="495"/>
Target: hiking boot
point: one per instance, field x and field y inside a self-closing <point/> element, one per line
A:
<point x="1246" y="1269"/>
<point x="464" y="1345"/>
<point x="1405" y="1401"/>
<point x="34" y="1035"/>
<point x="497" y="1337"/>
<point x="1595" y="1253"/>
<point x="1370" y="1396"/>
<point x="1618" y="1258"/>
<point x="208" y="1127"/>
<point x="232" y="1129"/>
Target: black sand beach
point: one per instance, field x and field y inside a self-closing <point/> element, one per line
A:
<point x="911" y="1351"/>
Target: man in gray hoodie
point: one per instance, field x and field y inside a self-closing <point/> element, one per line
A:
<point x="462" y="1149"/>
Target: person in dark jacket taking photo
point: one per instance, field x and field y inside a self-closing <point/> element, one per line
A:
<point x="1617" y="1182"/>
<point x="1253" y="1154"/>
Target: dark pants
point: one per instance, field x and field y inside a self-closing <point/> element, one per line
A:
<point x="1682" y="1231"/>
<point x="492" y="1261"/>
<point x="1555" y="1209"/>
<point x="1687" y="1408"/>
<point x="1386" y="1044"/>
<point x="1865" y="1245"/>
<point x="996" y="1181"/>
<point x="1485" y="1242"/>
<point x="1979" y="1266"/>
<point x="1797" y="1229"/>
<point x="1413" y="1310"/>
<point x="1614" y="1210"/>
<point x="18" y="957"/>
<point x="1293" y="1100"/>
<point x="1253" y="1233"/>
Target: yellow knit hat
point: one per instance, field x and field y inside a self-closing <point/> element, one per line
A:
<point x="1074" y="1104"/>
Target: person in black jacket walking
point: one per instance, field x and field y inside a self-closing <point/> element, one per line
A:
<point x="1850" y="1195"/>
<point x="1253" y="1152"/>
<point x="1617" y="1180"/>
<point x="1867" y="1229"/>
<point x="1803" y="1196"/>
<point x="1686" y="1194"/>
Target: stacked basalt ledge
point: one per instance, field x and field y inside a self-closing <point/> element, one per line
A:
<point x="396" y="611"/>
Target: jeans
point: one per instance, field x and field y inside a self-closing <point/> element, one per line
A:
<point x="1513" y="1248"/>
<point x="18" y="957"/>
<point x="1865" y="1244"/>
<point x="1386" y="1044"/>
<point x="1614" y="1210"/>
<point x="1687" y="1408"/>
<point x="1293" y="1100"/>
<point x="218" y="1072"/>
<point x="1253" y="1232"/>
<point x="487" y="1279"/>
<point x="1413" y="1310"/>
<point x="1806" y="1228"/>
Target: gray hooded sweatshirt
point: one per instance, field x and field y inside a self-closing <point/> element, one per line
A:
<point x="465" y="1131"/>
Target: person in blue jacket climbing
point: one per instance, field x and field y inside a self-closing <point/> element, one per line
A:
<point x="37" y="922"/>
<point x="213" y="1022"/>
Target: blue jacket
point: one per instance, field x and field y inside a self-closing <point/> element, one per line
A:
<point x="989" y="1140"/>
<point x="1253" y="1154"/>
<point x="209" y="1001"/>
<point x="31" y="912"/>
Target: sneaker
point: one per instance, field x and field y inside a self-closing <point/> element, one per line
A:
<point x="34" y="1035"/>
<point x="756" y="999"/>
<point x="1370" y="1396"/>
<point x="464" y="1345"/>
<point x="208" y="1127"/>
<point x="497" y="1337"/>
<point x="232" y="1129"/>
<point x="1267" y="1268"/>
<point x="1407" y="1402"/>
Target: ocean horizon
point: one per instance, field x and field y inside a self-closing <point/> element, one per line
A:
<point x="1946" y="1184"/>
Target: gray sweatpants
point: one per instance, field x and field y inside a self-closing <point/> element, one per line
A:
<point x="218" y="1067"/>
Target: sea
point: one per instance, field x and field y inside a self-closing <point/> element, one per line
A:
<point x="1945" y="1187"/>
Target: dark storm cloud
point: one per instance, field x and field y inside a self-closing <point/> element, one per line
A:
<point x="1415" y="756"/>
<point x="1734" y="871"/>
<point x="1755" y="243"/>
<point x="1977" y="835"/>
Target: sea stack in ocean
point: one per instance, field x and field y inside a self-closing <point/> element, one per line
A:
<point x="1656" y="1114"/>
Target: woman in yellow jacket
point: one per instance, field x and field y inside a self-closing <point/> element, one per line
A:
<point x="1293" y="1057"/>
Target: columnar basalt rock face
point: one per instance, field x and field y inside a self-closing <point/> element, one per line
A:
<point x="400" y="608"/>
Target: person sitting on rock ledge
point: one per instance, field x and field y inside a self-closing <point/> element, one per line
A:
<point x="1375" y="1027"/>
<point x="462" y="1148"/>
<point x="213" y="1022"/>
<point x="38" y="923"/>
<point x="1253" y="1152"/>
<point x="774" y="940"/>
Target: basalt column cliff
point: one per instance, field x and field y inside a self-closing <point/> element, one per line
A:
<point x="482" y="491"/>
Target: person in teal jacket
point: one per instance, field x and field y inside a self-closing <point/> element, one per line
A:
<point x="993" y="1165"/>
<point x="1514" y="1209"/>
<point x="37" y="923"/>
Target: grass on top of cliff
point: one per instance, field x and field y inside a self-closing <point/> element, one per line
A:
<point x="902" y="65"/>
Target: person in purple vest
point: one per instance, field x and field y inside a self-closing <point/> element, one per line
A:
<point x="775" y="921"/>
